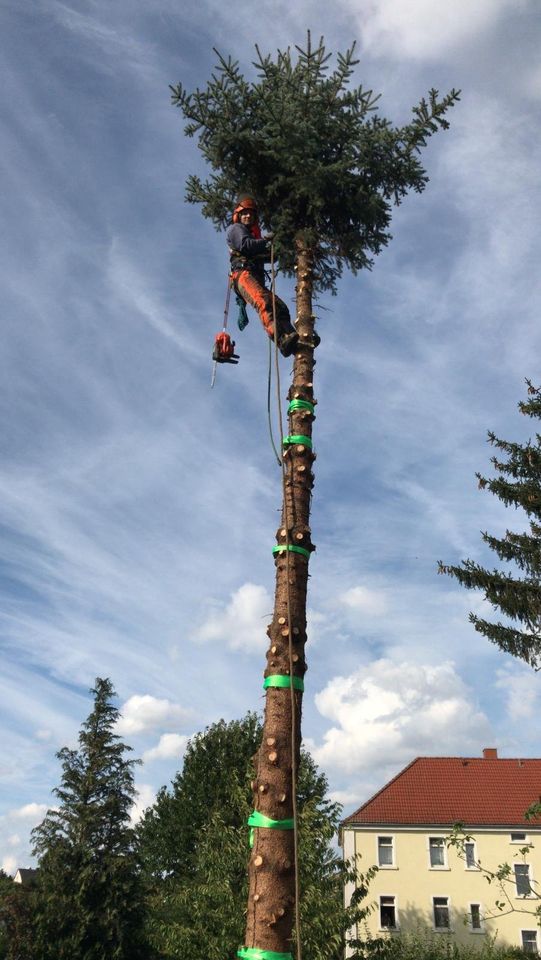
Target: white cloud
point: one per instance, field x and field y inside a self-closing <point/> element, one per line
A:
<point x="364" y="600"/>
<point x="241" y="623"/>
<point x="14" y="840"/>
<point x="30" y="811"/>
<point x="417" y="29"/>
<point x="9" y="864"/>
<point x="44" y="735"/>
<point x="396" y="712"/>
<point x="143" y="713"/>
<point x="169" y="745"/>
<point x="145" y="797"/>
<point x="521" y="688"/>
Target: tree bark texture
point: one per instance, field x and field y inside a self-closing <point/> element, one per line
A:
<point x="271" y="869"/>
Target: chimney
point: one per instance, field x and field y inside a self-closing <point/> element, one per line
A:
<point x="490" y="753"/>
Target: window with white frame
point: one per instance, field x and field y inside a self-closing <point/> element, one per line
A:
<point x="436" y="850"/>
<point x="440" y="906"/>
<point x="387" y="913"/>
<point x="518" y="837"/>
<point x="529" y="941"/>
<point x="385" y="851"/>
<point x="522" y="879"/>
<point x="475" y="918"/>
<point x="470" y="855"/>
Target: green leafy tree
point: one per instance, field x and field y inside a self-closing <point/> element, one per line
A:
<point x="501" y="877"/>
<point x="212" y="779"/>
<point x="90" y="903"/>
<point x="326" y="170"/>
<point x="193" y="843"/>
<point x="6" y="889"/>
<point x="424" y="944"/>
<point x="17" y="911"/>
<point x="517" y="484"/>
<point x="17" y="920"/>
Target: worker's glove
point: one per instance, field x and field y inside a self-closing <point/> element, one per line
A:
<point x="269" y="237"/>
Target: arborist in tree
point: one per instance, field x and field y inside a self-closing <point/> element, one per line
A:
<point x="249" y="252"/>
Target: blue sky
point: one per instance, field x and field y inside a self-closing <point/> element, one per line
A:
<point x="138" y="507"/>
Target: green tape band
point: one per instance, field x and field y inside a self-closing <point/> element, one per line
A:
<point x="257" y="819"/>
<point x="254" y="953"/>
<point x="297" y="438"/>
<point x="300" y="405"/>
<point x="292" y="548"/>
<point x="281" y="680"/>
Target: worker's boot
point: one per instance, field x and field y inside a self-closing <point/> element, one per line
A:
<point x="288" y="342"/>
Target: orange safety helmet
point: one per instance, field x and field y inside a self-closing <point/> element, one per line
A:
<point x="245" y="202"/>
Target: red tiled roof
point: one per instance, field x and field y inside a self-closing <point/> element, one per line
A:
<point x="444" y="790"/>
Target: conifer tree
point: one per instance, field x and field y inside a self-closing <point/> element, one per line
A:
<point x="325" y="170"/>
<point x="518" y="598"/>
<point x="90" y="902"/>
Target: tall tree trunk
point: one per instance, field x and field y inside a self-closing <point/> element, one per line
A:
<point x="271" y="870"/>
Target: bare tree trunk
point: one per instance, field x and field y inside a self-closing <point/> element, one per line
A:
<point x="271" y="870"/>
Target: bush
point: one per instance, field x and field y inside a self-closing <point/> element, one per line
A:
<point x="428" y="946"/>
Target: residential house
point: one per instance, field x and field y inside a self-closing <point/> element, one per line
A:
<point x="424" y="882"/>
<point x="27" y="876"/>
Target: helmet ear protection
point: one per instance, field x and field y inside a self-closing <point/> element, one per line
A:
<point x="245" y="203"/>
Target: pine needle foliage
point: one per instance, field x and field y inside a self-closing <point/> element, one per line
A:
<point x="517" y="484"/>
<point x="90" y="903"/>
<point x="325" y="168"/>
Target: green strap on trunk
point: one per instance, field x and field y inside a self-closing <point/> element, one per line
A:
<point x="255" y="953"/>
<point x="292" y="548"/>
<point x="300" y="405"/>
<point x="297" y="438"/>
<point x="257" y="819"/>
<point x="283" y="680"/>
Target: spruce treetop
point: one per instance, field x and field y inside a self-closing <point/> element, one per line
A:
<point x="97" y="786"/>
<point x="90" y="900"/>
<point x="324" y="167"/>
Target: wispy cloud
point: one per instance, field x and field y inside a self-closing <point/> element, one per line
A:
<point x="413" y="30"/>
<point x="241" y="623"/>
<point x="138" y="507"/>
<point x="169" y="745"/>
<point x="34" y="812"/>
<point x="143" y="713"/>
